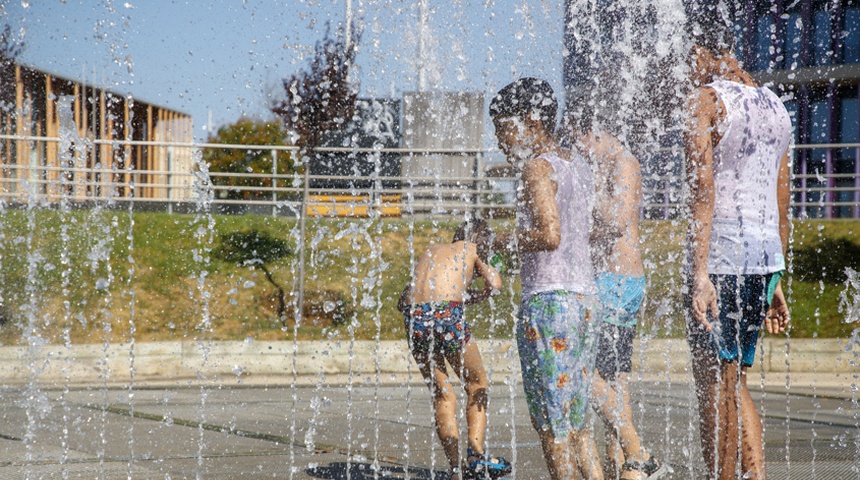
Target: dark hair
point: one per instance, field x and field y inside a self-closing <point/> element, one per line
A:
<point x="525" y="97"/>
<point x="710" y="24"/>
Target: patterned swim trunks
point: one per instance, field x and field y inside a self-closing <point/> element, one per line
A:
<point x="556" y="355"/>
<point x="438" y="327"/>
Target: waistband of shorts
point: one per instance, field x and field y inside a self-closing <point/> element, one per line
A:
<point x="601" y="276"/>
<point x="437" y="306"/>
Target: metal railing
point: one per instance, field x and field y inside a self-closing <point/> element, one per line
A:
<point x="818" y="194"/>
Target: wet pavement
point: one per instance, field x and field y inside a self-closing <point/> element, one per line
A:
<point x="375" y="429"/>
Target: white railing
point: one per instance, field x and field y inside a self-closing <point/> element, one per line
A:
<point x="825" y="194"/>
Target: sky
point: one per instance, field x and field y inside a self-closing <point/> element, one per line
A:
<point x="223" y="59"/>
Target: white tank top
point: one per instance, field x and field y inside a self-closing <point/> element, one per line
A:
<point x="756" y="133"/>
<point x="569" y="266"/>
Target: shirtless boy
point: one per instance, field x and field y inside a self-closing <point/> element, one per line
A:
<point x="621" y="290"/>
<point x="432" y="305"/>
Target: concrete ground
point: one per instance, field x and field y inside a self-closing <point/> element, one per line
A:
<point x="318" y="428"/>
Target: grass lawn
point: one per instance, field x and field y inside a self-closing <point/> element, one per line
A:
<point x="105" y="276"/>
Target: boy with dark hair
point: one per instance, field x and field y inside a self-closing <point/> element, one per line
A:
<point x="554" y="208"/>
<point x="737" y="142"/>
<point x="432" y="306"/>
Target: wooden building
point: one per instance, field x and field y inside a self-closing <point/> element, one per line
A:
<point x="61" y="138"/>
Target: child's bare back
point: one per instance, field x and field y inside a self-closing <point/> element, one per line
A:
<point x="444" y="272"/>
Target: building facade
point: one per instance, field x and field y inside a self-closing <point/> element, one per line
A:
<point x="810" y="51"/>
<point x="64" y="139"/>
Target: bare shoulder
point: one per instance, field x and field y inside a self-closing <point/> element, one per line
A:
<point x="537" y="168"/>
<point x="703" y="101"/>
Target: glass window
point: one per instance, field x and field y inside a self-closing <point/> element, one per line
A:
<point x="819" y="117"/>
<point x="791" y="106"/>
<point x="739" y="41"/>
<point x="849" y="119"/>
<point x="816" y="163"/>
<point x="763" y="42"/>
<point x="793" y="37"/>
<point x="821" y="52"/>
<point x="851" y="36"/>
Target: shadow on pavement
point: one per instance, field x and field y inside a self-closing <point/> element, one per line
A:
<point x="364" y="471"/>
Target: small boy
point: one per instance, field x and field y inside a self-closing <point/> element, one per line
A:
<point x="432" y="306"/>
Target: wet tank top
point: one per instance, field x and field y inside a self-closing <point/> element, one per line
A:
<point x="756" y="133"/>
<point x="569" y="266"/>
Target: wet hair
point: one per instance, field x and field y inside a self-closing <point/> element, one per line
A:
<point x="525" y="97"/>
<point x="710" y="24"/>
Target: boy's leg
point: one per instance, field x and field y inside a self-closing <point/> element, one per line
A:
<point x="558" y="455"/>
<point x="717" y="389"/>
<point x="470" y="367"/>
<point x="615" y="410"/>
<point x="752" y="446"/>
<point x="444" y="405"/>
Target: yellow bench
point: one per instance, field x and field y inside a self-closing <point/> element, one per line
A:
<point x="351" y="206"/>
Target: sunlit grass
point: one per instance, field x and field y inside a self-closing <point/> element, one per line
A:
<point x="91" y="275"/>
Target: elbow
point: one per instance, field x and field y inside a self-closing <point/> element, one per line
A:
<point x="553" y="240"/>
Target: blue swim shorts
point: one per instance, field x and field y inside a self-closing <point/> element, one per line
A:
<point x="620" y="297"/>
<point x="556" y="355"/>
<point x="743" y="301"/>
<point x="437" y="327"/>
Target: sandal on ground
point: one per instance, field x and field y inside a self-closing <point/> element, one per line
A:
<point x="652" y="469"/>
<point x="456" y="471"/>
<point x="483" y="466"/>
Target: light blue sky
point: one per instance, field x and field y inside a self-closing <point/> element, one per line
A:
<point x="223" y="56"/>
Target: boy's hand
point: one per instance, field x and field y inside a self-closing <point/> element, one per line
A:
<point x="704" y="299"/>
<point x="777" y="318"/>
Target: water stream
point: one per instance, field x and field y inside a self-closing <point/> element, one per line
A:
<point x="123" y="328"/>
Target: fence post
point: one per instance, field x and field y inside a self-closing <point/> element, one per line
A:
<point x="300" y="300"/>
<point x="274" y="182"/>
<point x="856" y="182"/>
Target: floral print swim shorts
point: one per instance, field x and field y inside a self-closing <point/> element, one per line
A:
<point x="556" y="354"/>
<point x="438" y="327"/>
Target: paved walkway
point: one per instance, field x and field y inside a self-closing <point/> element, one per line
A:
<point x="321" y="429"/>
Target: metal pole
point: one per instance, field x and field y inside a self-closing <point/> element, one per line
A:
<point x="274" y="183"/>
<point x="422" y="53"/>
<point x="304" y="213"/>
<point x="347" y="28"/>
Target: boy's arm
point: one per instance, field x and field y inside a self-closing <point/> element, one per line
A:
<point x="700" y="178"/>
<point x="405" y="300"/>
<point x="492" y="282"/>
<point x="539" y="197"/>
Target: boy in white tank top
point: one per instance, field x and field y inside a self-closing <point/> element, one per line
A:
<point x="554" y="338"/>
<point x="737" y="144"/>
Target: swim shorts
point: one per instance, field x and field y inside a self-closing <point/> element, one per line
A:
<point x="556" y="356"/>
<point x="621" y="297"/>
<point x="614" y="350"/>
<point x="437" y="327"/>
<point x="743" y="301"/>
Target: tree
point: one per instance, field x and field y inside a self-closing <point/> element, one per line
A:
<point x="256" y="248"/>
<point x="10" y="49"/>
<point x="231" y="160"/>
<point x="321" y="99"/>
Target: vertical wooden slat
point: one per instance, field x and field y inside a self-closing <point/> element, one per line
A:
<point x="126" y="151"/>
<point x="104" y="150"/>
<point x="150" y="136"/>
<point x="52" y="129"/>
<point x="19" y="126"/>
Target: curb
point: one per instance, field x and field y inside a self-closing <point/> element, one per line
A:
<point x="225" y="361"/>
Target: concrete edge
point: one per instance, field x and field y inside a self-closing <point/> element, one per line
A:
<point x="229" y="361"/>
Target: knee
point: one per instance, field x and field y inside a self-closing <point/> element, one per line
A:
<point x="444" y="393"/>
